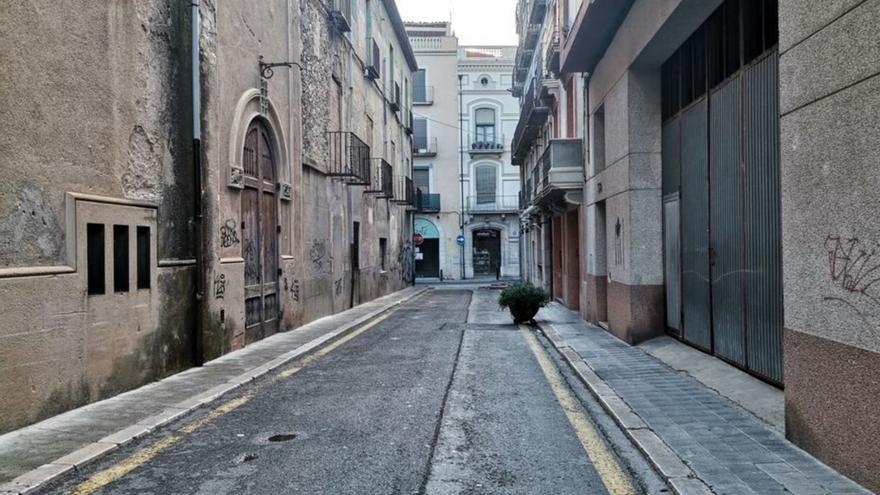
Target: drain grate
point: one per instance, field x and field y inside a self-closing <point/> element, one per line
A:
<point x="284" y="437"/>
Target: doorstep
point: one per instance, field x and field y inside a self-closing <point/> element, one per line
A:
<point x="697" y="439"/>
<point x="37" y="454"/>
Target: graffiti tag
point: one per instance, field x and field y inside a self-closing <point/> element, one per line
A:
<point x="229" y="234"/>
<point x="219" y="286"/>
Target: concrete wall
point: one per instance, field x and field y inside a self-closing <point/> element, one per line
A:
<point x="95" y="130"/>
<point x="629" y="188"/>
<point x="830" y="102"/>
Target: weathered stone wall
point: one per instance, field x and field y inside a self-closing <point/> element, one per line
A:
<point x="95" y="129"/>
<point x="316" y="222"/>
<point x="98" y="112"/>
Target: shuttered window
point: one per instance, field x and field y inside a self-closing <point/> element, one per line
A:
<point x="419" y="92"/>
<point x="420" y="133"/>
<point x="422" y="179"/>
<point x="485" y="184"/>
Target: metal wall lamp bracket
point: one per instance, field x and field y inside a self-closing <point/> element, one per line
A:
<point x="266" y="67"/>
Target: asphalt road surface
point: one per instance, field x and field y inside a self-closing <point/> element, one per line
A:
<point x="425" y="400"/>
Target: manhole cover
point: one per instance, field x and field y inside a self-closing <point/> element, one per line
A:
<point x="284" y="437"/>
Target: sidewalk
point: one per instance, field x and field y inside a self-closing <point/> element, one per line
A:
<point x="37" y="454"/>
<point x="699" y="441"/>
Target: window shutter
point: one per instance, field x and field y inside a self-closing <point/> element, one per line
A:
<point x="485" y="184"/>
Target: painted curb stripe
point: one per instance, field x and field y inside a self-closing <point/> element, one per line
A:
<point x="610" y="471"/>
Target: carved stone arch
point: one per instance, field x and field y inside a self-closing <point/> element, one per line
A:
<point x="246" y="111"/>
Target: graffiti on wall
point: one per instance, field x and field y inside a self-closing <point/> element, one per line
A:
<point x="618" y="243"/>
<point x="229" y="234"/>
<point x="854" y="267"/>
<point x="337" y="285"/>
<point x="406" y="260"/>
<point x="219" y="286"/>
<point x="318" y="255"/>
<point x="293" y="288"/>
<point x="251" y="262"/>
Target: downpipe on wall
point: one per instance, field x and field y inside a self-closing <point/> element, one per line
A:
<point x="461" y="165"/>
<point x="198" y="347"/>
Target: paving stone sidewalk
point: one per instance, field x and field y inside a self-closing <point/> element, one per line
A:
<point x="37" y="453"/>
<point x="700" y="438"/>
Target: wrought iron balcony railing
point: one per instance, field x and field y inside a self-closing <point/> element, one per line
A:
<point x="487" y="144"/>
<point x="383" y="183"/>
<point x="340" y="15"/>
<point x="427" y="201"/>
<point x="374" y="62"/>
<point x="403" y="190"/>
<point x="423" y="146"/>
<point x="349" y="158"/>
<point x="491" y="204"/>
<point x="423" y="95"/>
<point x="394" y="102"/>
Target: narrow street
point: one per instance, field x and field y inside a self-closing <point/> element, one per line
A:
<point x="442" y="395"/>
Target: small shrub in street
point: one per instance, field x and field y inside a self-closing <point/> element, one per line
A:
<point x="523" y="300"/>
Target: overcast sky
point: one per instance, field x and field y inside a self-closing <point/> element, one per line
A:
<point x="476" y="22"/>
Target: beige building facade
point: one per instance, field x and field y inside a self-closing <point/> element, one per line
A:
<point x="138" y="240"/>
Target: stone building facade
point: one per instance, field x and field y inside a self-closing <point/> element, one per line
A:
<point x="136" y="240"/>
<point x="725" y="194"/>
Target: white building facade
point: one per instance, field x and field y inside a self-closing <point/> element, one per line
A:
<point x="467" y="197"/>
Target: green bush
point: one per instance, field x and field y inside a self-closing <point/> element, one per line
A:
<point x="523" y="294"/>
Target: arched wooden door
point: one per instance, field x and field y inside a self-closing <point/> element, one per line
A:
<point x="259" y="235"/>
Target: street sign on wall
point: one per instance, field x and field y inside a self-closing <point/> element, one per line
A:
<point x="418" y="239"/>
<point x="460" y="240"/>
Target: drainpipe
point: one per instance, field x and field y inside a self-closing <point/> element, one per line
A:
<point x="198" y="348"/>
<point x="461" y="165"/>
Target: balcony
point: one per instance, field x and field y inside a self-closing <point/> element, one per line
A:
<point x="374" y="65"/>
<point x="560" y="170"/>
<point x="553" y="52"/>
<point x="394" y="102"/>
<point x="423" y="95"/>
<point x="533" y="114"/>
<point x="423" y="146"/>
<point x="408" y="123"/>
<point x="383" y="185"/>
<point x="403" y="190"/>
<point x="427" y="202"/>
<point x="340" y="15"/>
<point x="349" y="158"/>
<point x="486" y="145"/>
<point x="491" y="204"/>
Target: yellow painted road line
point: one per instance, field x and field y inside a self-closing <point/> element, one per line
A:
<point x="325" y="350"/>
<point x="612" y="474"/>
<point x="117" y="471"/>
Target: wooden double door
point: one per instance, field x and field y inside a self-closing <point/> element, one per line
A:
<point x="259" y="225"/>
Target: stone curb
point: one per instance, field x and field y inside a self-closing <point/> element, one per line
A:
<point x="680" y="478"/>
<point x="36" y="479"/>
